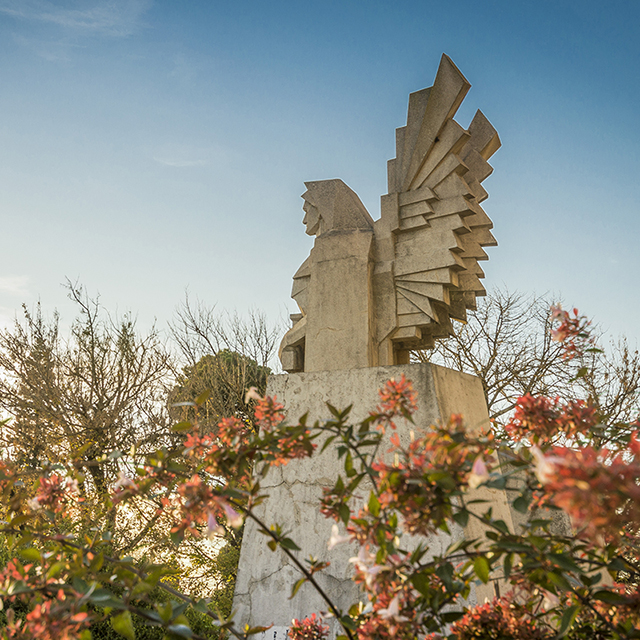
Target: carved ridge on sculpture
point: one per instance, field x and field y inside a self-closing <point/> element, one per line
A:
<point x="424" y="249"/>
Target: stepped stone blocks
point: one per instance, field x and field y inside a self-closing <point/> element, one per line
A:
<point x="371" y="291"/>
<point x="265" y="578"/>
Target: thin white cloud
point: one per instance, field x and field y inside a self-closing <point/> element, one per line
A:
<point x="106" y="17"/>
<point x="14" y="285"/>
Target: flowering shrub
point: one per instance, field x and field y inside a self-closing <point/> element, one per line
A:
<point x="311" y="628"/>
<point x="559" y="584"/>
<point x="496" y="620"/>
<point x="542" y="420"/>
<point x="573" y="332"/>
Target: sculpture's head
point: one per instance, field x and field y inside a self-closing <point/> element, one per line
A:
<point x="331" y="204"/>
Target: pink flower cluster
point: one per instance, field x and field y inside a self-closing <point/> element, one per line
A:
<point x="573" y="332"/>
<point x="311" y="628"/>
<point x="541" y="419"/>
<point x="397" y="399"/>
<point x="54" y="493"/>
<point x="49" y="620"/>
<point x="598" y="491"/>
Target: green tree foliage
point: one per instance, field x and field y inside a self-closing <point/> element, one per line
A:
<point x="225" y="376"/>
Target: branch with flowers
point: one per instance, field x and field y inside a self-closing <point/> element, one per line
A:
<point x="551" y="583"/>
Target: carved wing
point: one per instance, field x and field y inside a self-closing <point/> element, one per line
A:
<point x="433" y="210"/>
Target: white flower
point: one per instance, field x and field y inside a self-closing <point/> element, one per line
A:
<point x="72" y="485"/>
<point x="545" y="465"/>
<point x="123" y="482"/>
<point x="479" y="473"/>
<point x="252" y="394"/>
<point x="365" y="563"/>
<point x="336" y="538"/>
<point x="392" y="611"/>
<point x="33" y="504"/>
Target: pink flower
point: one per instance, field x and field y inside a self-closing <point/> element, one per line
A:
<point x="213" y="528"/>
<point x="123" y="483"/>
<point x="233" y="517"/>
<point x="479" y="473"/>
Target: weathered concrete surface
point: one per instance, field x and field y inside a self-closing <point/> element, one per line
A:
<point x="264" y="577"/>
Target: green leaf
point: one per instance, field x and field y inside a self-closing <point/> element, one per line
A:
<point x="288" y="543"/>
<point x="123" y="625"/>
<point x="97" y="562"/>
<point x="251" y="631"/>
<point x="568" y="618"/>
<point x="348" y="623"/>
<point x="452" y="616"/>
<point x="203" y="397"/>
<point x="348" y="465"/>
<point x="85" y="635"/>
<point x="521" y="504"/>
<point x="177" y="537"/>
<point x="30" y="554"/>
<point x="374" y="505"/>
<point x="508" y="564"/>
<point x="327" y="442"/>
<point x="610" y="597"/>
<point x="482" y="568"/>
<point x="296" y="587"/>
<point x="559" y="580"/>
<point x="142" y="588"/>
<point x="421" y="582"/>
<point x="344" y="512"/>
<point x="334" y="412"/>
<point x="462" y="518"/>
<point x="185" y="425"/>
<point x="619" y="564"/>
<point x="18" y="520"/>
<point x="564" y="562"/>
<point x="502" y="525"/>
<point x="165" y="611"/>
<point x="445" y="573"/>
<point x="180" y="630"/>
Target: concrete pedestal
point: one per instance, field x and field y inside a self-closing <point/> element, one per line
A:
<point x="265" y="578"/>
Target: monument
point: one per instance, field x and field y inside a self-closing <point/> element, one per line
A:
<point x="369" y="293"/>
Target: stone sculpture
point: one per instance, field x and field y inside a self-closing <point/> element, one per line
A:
<point x="371" y="291"/>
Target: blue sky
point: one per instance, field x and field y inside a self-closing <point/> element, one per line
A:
<point x="147" y="147"/>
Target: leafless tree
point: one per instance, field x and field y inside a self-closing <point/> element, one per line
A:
<point x="77" y="399"/>
<point x="507" y="344"/>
